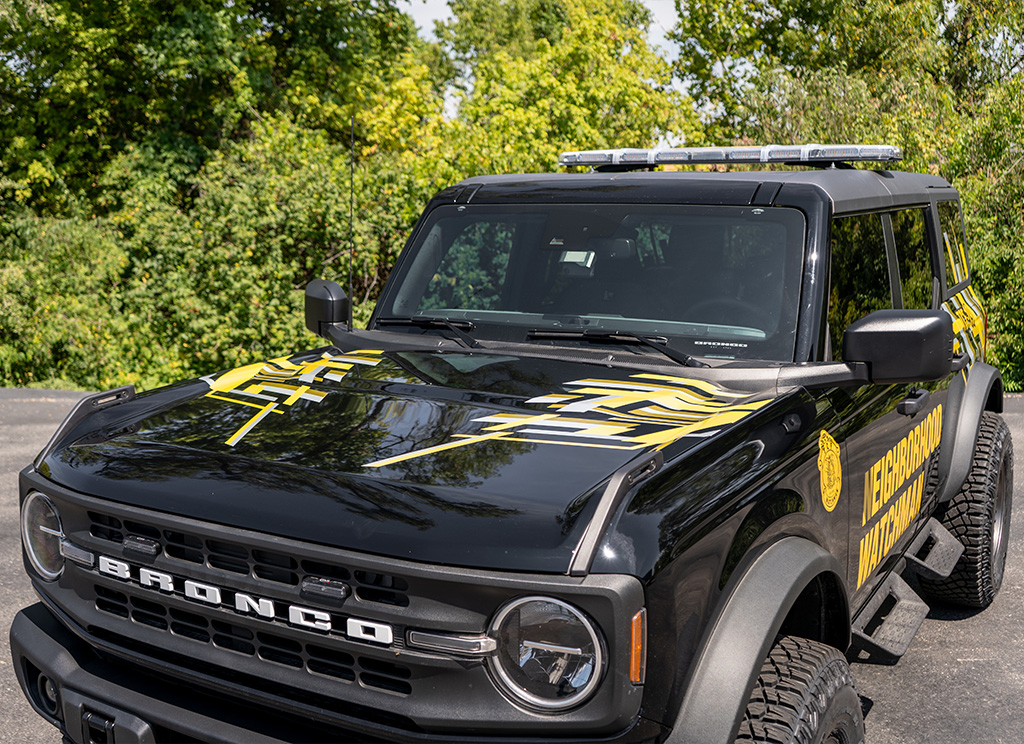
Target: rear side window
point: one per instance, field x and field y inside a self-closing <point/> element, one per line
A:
<point x="913" y="257"/>
<point x="953" y="247"/>
<point x="860" y="274"/>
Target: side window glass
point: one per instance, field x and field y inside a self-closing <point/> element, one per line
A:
<point x="651" y="238"/>
<point x="914" y="258"/>
<point x="953" y="243"/>
<point x="472" y="271"/>
<point x="860" y="274"/>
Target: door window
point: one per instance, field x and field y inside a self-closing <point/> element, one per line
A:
<point x="860" y="274"/>
<point x="953" y="243"/>
<point x="914" y="258"/>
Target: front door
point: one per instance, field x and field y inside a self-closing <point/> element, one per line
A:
<point x="881" y="261"/>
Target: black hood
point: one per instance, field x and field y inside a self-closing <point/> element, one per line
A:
<point x="468" y="459"/>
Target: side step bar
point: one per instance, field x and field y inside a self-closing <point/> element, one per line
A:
<point x="891" y="618"/>
<point x="889" y="621"/>
<point x="941" y="551"/>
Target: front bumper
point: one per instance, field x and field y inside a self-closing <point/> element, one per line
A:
<point x="139" y="706"/>
<point x="142" y="708"/>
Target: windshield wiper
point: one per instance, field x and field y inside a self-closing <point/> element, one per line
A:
<point x="658" y="343"/>
<point x="425" y="321"/>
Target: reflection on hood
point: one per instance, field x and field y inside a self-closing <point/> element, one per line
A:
<point x="640" y="412"/>
<point x="455" y="458"/>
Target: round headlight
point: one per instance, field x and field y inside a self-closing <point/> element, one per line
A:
<point x="40" y="534"/>
<point x="550" y="656"/>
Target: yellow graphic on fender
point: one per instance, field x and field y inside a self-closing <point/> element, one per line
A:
<point x="267" y="386"/>
<point x="648" y="410"/>
<point x="830" y="469"/>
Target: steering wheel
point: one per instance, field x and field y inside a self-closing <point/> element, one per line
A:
<point x="725" y="311"/>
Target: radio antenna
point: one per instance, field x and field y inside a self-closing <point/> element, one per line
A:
<point x="351" y="213"/>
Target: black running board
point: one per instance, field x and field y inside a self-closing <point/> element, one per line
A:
<point x="891" y="618"/>
<point x="934" y="552"/>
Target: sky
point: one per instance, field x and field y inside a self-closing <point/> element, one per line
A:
<point x="663" y="18"/>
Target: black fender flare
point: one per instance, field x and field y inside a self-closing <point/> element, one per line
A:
<point x="741" y="634"/>
<point x="980" y="391"/>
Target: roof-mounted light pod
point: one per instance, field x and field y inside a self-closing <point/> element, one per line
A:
<point x="809" y="154"/>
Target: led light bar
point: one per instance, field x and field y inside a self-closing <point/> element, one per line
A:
<point x="641" y="158"/>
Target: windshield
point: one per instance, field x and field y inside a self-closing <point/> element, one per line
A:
<point x="716" y="282"/>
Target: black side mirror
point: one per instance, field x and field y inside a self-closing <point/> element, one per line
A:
<point x="902" y="345"/>
<point x="326" y="305"/>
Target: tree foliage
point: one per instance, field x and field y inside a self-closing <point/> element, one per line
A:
<point x="81" y="81"/>
<point x="600" y="86"/>
<point x="171" y="175"/>
<point x="941" y="80"/>
<point x="987" y="165"/>
<point x="61" y="320"/>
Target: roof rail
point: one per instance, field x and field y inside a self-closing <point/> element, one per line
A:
<point x="815" y="155"/>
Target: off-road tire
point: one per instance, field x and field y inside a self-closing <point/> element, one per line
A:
<point x="804" y="694"/>
<point x="979" y="517"/>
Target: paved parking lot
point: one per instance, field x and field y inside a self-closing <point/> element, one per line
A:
<point x="961" y="681"/>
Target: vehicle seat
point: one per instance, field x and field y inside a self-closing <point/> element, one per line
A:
<point x="614" y="285"/>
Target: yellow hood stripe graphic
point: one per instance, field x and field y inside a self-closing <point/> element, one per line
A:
<point x="280" y="382"/>
<point x="642" y="412"/>
<point x="609" y="414"/>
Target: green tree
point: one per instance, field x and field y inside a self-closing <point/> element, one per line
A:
<point x="987" y="166"/>
<point x="728" y="46"/>
<point x="984" y="45"/>
<point x="601" y="85"/>
<point x="80" y="81"/>
<point x="481" y="28"/>
<point x="61" y="322"/>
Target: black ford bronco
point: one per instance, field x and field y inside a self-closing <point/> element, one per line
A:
<point x="623" y="455"/>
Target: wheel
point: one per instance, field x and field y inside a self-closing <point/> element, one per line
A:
<point x="803" y="695"/>
<point x="725" y="311"/>
<point x="979" y="517"/>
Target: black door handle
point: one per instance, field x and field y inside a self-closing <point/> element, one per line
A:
<point x="913" y="404"/>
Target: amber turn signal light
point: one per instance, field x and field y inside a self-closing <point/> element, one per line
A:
<point x="638" y="648"/>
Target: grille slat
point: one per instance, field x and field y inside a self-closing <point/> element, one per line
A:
<point x="271" y="647"/>
<point x="234" y="644"/>
<point x="331" y="670"/>
<point x="235" y="565"/>
<point x="385" y="683"/>
<point x="263" y="565"/>
<point x="154" y="621"/>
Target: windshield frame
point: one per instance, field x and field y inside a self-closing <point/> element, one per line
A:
<point x="725" y="342"/>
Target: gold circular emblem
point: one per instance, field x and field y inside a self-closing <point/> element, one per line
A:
<point x="831" y="470"/>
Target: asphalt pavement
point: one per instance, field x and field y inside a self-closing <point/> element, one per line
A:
<point x="27" y="419"/>
<point x="961" y="681"/>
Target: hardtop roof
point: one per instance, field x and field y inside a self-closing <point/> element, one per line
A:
<point x="849" y="190"/>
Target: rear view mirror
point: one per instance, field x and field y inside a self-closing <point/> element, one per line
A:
<point x="902" y="345"/>
<point x="613" y="247"/>
<point x="326" y="305"/>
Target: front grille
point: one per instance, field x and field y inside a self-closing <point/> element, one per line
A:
<point x="312" y="727"/>
<point x="265" y="645"/>
<point x="261" y="564"/>
<point x="201" y="619"/>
